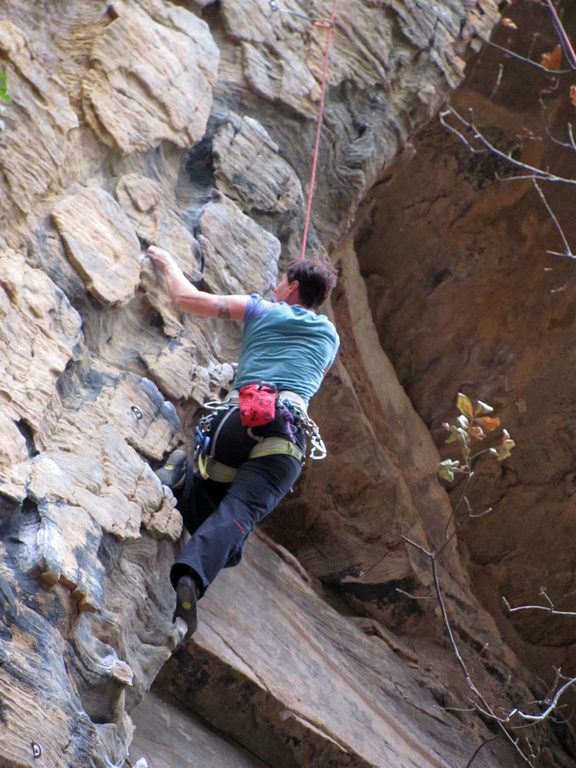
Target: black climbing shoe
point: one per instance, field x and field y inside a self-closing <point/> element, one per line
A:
<point x="173" y="472"/>
<point x="186" y="599"/>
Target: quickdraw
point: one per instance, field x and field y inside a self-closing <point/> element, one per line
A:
<point x="318" y="448"/>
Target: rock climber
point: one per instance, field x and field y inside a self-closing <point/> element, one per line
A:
<point x="249" y="448"/>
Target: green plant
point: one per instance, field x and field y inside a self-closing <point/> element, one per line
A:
<point x="5" y="97"/>
<point x="475" y="422"/>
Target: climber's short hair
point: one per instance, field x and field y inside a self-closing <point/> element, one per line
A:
<point x="316" y="281"/>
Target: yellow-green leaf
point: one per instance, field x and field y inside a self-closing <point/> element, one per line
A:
<point x="447" y="468"/>
<point x="464" y="405"/>
<point x="503" y="451"/>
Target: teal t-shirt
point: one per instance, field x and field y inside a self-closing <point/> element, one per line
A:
<point x="286" y="345"/>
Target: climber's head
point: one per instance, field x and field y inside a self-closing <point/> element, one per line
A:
<point x="306" y="282"/>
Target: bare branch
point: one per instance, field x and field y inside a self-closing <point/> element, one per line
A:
<point x="546" y="608"/>
<point x="483" y="705"/>
<point x="486" y="145"/>
<point x="377" y="562"/>
<point x="448" y="628"/>
<point x="462" y="499"/>
<point x="530" y="177"/>
<point x="480" y="704"/>
<point x="476" y="661"/>
<point x="546" y="596"/>
<point x="562" y="34"/>
<point x="564" y="42"/>
<point x="445" y="543"/>
<point x="552" y="706"/>
<point x="526" y="60"/>
<point x="418" y="547"/>
<point x="414" y="597"/>
<point x="481" y="746"/>
<point x="568" y="250"/>
<point x="485" y="512"/>
<point x="451" y="519"/>
<point x="476" y="140"/>
<point x="498" y="80"/>
<point x="571" y="144"/>
<point x="455" y="132"/>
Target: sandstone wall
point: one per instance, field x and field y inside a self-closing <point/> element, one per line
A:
<point x="191" y="126"/>
<point x="469" y="298"/>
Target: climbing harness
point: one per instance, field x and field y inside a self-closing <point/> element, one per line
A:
<point x="292" y="409"/>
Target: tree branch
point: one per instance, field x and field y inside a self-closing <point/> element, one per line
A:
<point x="526" y="60"/>
<point x="535" y="173"/>
<point x="546" y="608"/>
<point x="481" y="746"/>
<point x="551" y="707"/>
<point x="568" y="250"/>
<point x="562" y="34"/>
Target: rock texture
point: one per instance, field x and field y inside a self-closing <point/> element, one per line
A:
<point x="168" y="733"/>
<point x="301" y="685"/>
<point x="191" y="125"/>
<point x="469" y="299"/>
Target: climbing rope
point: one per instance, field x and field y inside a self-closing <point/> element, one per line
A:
<point x="325" y="62"/>
<point x="329" y="26"/>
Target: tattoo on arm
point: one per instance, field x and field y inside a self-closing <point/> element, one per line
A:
<point x="223" y="308"/>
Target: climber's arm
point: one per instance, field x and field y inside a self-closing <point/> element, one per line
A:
<point x="187" y="298"/>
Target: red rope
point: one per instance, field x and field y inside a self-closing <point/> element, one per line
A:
<point x="329" y="25"/>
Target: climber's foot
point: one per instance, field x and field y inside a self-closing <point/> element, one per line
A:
<point x="173" y="472"/>
<point x="186" y="599"/>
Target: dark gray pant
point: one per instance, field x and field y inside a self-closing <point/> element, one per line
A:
<point x="219" y="516"/>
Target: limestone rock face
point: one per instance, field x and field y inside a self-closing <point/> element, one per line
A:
<point x="191" y="126"/>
